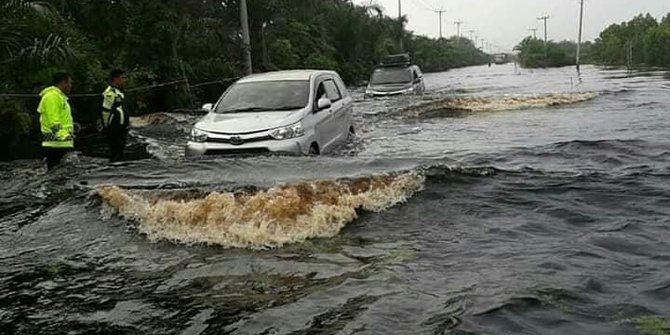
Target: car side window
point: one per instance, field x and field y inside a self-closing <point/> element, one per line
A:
<point x="342" y="87"/>
<point x="332" y="91"/>
<point x="320" y="92"/>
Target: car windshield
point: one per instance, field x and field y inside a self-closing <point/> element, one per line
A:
<point x="391" y="76"/>
<point x="265" y="96"/>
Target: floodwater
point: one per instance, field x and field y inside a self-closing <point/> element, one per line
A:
<point x="504" y="201"/>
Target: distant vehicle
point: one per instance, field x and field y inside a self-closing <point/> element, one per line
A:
<point x="300" y="112"/>
<point x="395" y="75"/>
<point x="500" y="59"/>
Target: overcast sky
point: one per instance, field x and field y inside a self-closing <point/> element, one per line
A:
<point x="505" y="22"/>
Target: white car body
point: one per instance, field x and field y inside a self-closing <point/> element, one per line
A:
<point x="318" y="127"/>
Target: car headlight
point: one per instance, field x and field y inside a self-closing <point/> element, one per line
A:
<point x="198" y="135"/>
<point x="285" y="133"/>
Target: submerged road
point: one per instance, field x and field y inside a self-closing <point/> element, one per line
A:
<point x="502" y="202"/>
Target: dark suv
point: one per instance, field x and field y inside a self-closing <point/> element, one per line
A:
<point x="395" y="75"/>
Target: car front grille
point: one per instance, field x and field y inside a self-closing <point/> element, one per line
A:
<point x="234" y="152"/>
<point x="239" y="141"/>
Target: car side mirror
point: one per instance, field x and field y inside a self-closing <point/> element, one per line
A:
<point x="323" y="103"/>
<point x="207" y="107"/>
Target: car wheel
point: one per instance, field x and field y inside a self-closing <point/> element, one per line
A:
<point x="314" y="150"/>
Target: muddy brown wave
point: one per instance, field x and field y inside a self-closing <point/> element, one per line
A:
<point x="261" y="219"/>
<point x="491" y="104"/>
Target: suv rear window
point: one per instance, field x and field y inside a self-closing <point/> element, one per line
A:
<point x="391" y="76"/>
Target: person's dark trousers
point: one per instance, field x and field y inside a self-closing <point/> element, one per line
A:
<point x="54" y="156"/>
<point x="117" y="143"/>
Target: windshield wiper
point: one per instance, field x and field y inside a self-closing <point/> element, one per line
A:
<point x="393" y="83"/>
<point x="262" y="109"/>
<point x="287" y="108"/>
<point x="246" y="110"/>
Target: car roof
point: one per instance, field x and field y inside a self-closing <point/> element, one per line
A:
<point x="290" y="75"/>
<point x="394" y="68"/>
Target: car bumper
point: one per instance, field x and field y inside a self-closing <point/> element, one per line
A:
<point x="292" y="146"/>
<point x="385" y="94"/>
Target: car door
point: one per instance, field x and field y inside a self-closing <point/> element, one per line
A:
<point x="338" y="114"/>
<point x="415" y="80"/>
<point x="346" y="116"/>
<point x="420" y="86"/>
<point x="322" y="118"/>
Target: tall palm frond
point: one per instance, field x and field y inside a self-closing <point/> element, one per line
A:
<point x="27" y="33"/>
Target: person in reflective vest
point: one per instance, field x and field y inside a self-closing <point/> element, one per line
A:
<point x="56" y="120"/>
<point x="115" y="118"/>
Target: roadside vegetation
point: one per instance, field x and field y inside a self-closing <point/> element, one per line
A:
<point x="534" y="54"/>
<point x="162" y="40"/>
<point x="642" y="41"/>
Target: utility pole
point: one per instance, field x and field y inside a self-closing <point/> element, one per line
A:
<point x="264" y="46"/>
<point x="458" y="31"/>
<point x="544" y="18"/>
<point x="439" y="13"/>
<point x="246" y="41"/>
<point x="483" y="40"/>
<point x="472" y="35"/>
<point x="534" y="30"/>
<point x="579" y="40"/>
<point x="400" y="23"/>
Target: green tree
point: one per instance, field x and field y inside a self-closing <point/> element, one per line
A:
<point x="657" y="44"/>
<point x="639" y="41"/>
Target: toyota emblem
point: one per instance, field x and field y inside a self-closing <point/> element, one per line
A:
<point x="236" y="140"/>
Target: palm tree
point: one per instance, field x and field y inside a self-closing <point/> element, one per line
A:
<point x="33" y="33"/>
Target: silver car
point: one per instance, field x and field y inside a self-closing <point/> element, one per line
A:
<point x="300" y="112"/>
<point x="395" y="80"/>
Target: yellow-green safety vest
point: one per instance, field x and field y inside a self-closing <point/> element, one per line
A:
<point x="56" y="119"/>
<point x="112" y="102"/>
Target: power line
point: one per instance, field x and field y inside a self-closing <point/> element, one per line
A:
<point x="423" y="5"/>
<point x="131" y="90"/>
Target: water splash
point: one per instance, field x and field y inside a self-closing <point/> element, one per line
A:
<point x="262" y="219"/>
<point x="490" y="104"/>
<point x="153" y="119"/>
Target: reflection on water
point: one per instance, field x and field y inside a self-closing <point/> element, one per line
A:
<point x="543" y="208"/>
